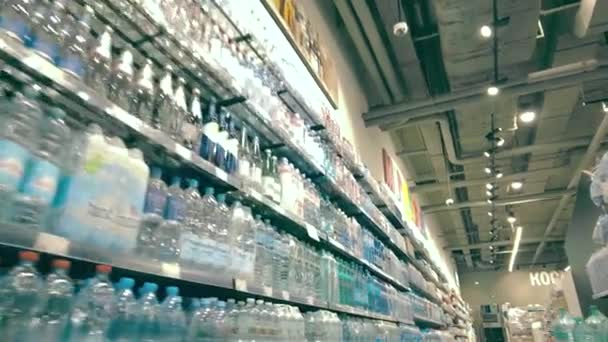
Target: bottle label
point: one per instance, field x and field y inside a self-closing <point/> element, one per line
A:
<point x="244" y="166"/>
<point x="221" y="255"/>
<point x="41" y="180"/>
<point x="13" y="158"/>
<point x="191" y="247"/>
<point x="175" y="209"/>
<point x="14" y="25"/>
<point x="268" y="185"/>
<point x="72" y="63"/>
<point x="156" y="201"/>
<point x="207" y="148"/>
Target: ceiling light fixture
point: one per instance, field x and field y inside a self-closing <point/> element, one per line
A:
<point x="490" y="214"/>
<point x="489" y="193"/>
<point x="487" y="170"/>
<point x="499" y="174"/>
<point x="493" y="90"/>
<point x="515" y="248"/>
<point x="517" y="185"/>
<point x="487" y="153"/>
<point x="567" y="268"/>
<point x="449" y="201"/>
<point x="400" y="28"/>
<point x="511" y="218"/>
<point x="500" y="141"/>
<point x="485" y="31"/>
<point x="489" y="200"/>
<point x="489" y="186"/>
<point x="527" y="116"/>
<point x="491" y="247"/>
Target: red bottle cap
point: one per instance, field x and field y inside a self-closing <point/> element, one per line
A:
<point x="28" y="255"/>
<point x="103" y="268"/>
<point x="62" y="263"/>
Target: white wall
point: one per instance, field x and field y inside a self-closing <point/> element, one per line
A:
<point x="352" y="103"/>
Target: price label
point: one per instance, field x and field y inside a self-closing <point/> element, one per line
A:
<point x="171" y="270"/>
<point x="267" y="291"/>
<point x="52" y="244"/>
<point x="183" y="152"/>
<point x="240" y="285"/>
<point x="221" y="175"/>
<point x="310" y="300"/>
<point x="312" y="232"/>
<point x="285" y="295"/>
<point x="125" y="117"/>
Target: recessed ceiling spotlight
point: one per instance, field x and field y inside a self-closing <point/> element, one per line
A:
<point x="487" y="154"/>
<point x="488" y="193"/>
<point x="500" y="142"/>
<point x="487" y="170"/>
<point x="491" y="247"/>
<point x="490" y="214"/>
<point x="511" y="218"/>
<point x="499" y="174"/>
<point x="489" y="186"/>
<point x="491" y="261"/>
<point x="489" y="200"/>
<point x="485" y="31"/>
<point x="493" y="90"/>
<point x="527" y="116"/>
<point x="517" y="185"/>
<point x="449" y="201"/>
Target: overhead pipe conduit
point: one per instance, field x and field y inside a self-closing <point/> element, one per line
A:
<point x="549" y="79"/>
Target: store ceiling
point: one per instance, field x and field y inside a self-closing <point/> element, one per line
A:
<point x="443" y="53"/>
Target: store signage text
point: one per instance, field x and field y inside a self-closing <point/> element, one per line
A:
<point x="544" y="278"/>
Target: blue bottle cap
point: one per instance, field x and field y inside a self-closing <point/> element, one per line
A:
<point x="221" y="198"/>
<point x="205" y="301"/>
<point x="126" y="283"/>
<point x="209" y="191"/>
<point x="149" y="287"/>
<point x="172" y="291"/>
<point x="195" y="303"/>
<point x="193" y="183"/>
<point x="156" y="172"/>
<point x="221" y="304"/>
<point x="176" y="180"/>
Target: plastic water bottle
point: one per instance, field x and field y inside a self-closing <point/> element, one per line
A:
<point x="15" y="19"/>
<point x="208" y="212"/>
<point x="176" y="201"/>
<point x="46" y="23"/>
<point x="99" y="62"/>
<point x="154" y="208"/>
<point x="19" y="120"/>
<point x="147" y="317"/>
<point x="596" y="325"/>
<point x="51" y="320"/>
<point x="200" y="327"/>
<point x="93" y="308"/>
<point x="172" y="317"/>
<point x="168" y="235"/>
<point x="192" y="238"/>
<point x="223" y="246"/>
<point x="37" y="190"/>
<point x="122" y="327"/>
<point x="24" y="289"/>
<point x="562" y="327"/>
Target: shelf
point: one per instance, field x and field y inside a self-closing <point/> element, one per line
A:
<point x="425" y="294"/>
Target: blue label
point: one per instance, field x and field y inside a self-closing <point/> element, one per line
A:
<point x="156" y="201"/>
<point x="175" y="209"/>
<point x="41" y="180"/>
<point x="220" y="156"/>
<point x="207" y="149"/>
<point x="15" y="25"/>
<point x="46" y="47"/>
<point x="13" y="158"/>
<point x="73" y="63"/>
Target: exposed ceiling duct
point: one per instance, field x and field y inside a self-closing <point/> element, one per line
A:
<point x="591" y="18"/>
<point x="547" y="195"/>
<point x="499" y="243"/>
<point x="549" y="79"/>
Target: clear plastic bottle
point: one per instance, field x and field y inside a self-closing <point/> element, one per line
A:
<point x="46" y="22"/>
<point x="222" y="252"/>
<point x="121" y="80"/>
<point x="164" y="101"/>
<point x="24" y="288"/>
<point x="596" y="324"/>
<point x="99" y="63"/>
<point x="236" y="227"/>
<point x="209" y="227"/>
<point x="93" y="308"/>
<point x="201" y="326"/>
<point x="192" y="121"/>
<point x="176" y="206"/>
<point x="52" y="318"/>
<point x="77" y="35"/>
<point x="19" y="120"/>
<point x="148" y="314"/>
<point x="257" y="164"/>
<point x="16" y="18"/>
<point x="221" y="140"/>
<point x="210" y="131"/>
<point x="562" y="328"/>
<point x="122" y="325"/>
<point x="31" y="206"/>
<point x="172" y="317"/>
<point x="174" y="123"/>
<point x="232" y="148"/>
<point x="267" y="176"/>
<point x="154" y="207"/>
<point x="141" y="102"/>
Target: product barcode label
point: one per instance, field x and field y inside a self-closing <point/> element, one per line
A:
<point x="240" y="285"/>
<point x="170" y="270"/>
<point x="51" y="244"/>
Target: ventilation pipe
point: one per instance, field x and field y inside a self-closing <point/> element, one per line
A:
<point x="591" y="18"/>
<point x="549" y="79"/>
